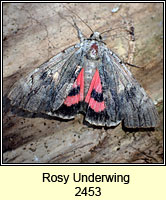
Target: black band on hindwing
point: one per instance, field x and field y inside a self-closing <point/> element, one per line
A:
<point x="74" y="91"/>
<point x="97" y="96"/>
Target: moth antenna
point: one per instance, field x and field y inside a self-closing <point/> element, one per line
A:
<point x="79" y="18"/>
<point x="111" y="29"/>
<point x="64" y="17"/>
<point x="80" y="34"/>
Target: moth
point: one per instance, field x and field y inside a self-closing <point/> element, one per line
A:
<point x="88" y="78"/>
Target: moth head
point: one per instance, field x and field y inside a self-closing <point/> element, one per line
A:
<point x="96" y="36"/>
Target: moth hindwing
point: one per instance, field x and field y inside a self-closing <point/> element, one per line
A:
<point x="90" y="78"/>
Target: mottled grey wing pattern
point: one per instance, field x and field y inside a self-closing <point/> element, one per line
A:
<point x="44" y="90"/>
<point x="125" y="99"/>
<point x="122" y="98"/>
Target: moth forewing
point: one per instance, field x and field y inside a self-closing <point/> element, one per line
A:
<point x="86" y="77"/>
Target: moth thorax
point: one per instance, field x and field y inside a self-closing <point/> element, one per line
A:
<point x="93" y="53"/>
